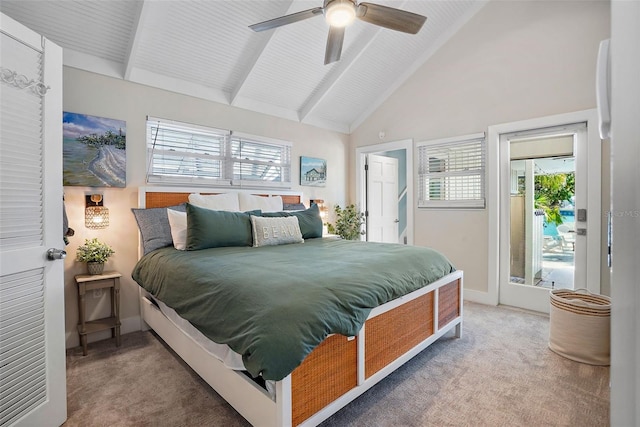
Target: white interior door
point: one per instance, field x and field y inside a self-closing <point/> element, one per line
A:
<point x="32" y="354"/>
<point x="382" y="199"/>
<point x="535" y="255"/>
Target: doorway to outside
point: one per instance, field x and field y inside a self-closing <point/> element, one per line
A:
<point x="384" y="191"/>
<point x="542" y="204"/>
<point x="544" y="200"/>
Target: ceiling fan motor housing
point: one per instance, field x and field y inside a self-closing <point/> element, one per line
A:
<point x="339" y="13"/>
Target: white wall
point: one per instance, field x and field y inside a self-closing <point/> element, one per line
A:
<point x="625" y="209"/>
<point x="94" y="94"/>
<point x="512" y="61"/>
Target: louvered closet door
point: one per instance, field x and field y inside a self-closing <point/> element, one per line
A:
<point x="32" y="353"/>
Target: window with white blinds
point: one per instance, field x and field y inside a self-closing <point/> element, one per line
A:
<point x="184" y="153"/>
<point x="451" y="172"/>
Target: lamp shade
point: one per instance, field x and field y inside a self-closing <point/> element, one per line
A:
<point x="95" y="214"/>
<point x="96" y="217"/>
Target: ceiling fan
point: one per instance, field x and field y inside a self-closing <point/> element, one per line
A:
<point x="341" y="13"/>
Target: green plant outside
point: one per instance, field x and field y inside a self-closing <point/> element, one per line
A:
<point x="94" y="251"/>
<point x="551" y="191"/>
<point x="348" y="223"/>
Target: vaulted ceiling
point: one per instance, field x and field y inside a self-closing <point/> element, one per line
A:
<point x="205" y="49"/>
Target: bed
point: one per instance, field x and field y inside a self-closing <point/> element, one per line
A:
<point x="334" y="371"/>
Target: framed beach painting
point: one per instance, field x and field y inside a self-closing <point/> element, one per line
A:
<point x="94" y="151"/>
<point x="313" y="172"/>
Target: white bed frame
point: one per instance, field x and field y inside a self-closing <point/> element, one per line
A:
<point x="252" y="401"/>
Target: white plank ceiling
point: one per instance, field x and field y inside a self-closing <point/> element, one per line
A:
<point x="205" y="49"/>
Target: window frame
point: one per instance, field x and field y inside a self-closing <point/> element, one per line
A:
<point x="431" y="150"/>
<point x="221" y="157"/>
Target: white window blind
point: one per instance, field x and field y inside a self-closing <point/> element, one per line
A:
<point x="258" y="162"/>
<point x="451" y="172"/>
<point x="190" y="154"/>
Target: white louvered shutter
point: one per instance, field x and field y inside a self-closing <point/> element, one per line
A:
<point x="32" y="371"/>
<point x="451" y="173"/>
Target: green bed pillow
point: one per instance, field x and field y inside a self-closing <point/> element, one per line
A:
<point x="207" y="228"/>
<point x="309" y="220"/>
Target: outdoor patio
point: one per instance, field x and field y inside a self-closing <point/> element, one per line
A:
<point x="557" y="265"/>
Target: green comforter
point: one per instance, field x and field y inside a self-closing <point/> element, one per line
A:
<point x="274" y="305"/>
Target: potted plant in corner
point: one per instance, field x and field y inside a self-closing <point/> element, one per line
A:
<point x="348" y="223"/>
<point x="95" y="254"/>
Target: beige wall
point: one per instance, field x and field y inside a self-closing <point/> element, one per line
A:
<point x="512" y="61"/>
<point x="98" y="95"/>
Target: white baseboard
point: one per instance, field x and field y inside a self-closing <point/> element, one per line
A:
<point x="479" y="297"/>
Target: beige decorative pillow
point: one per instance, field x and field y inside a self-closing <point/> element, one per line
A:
<point x="271" y="231"/>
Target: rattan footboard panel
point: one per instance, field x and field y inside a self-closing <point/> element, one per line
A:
<point x="327" y="373"/>
<point x="391" y="334"/>
<point x="448" y="303"/>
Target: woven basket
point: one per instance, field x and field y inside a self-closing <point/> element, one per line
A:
<point x="580" y="326"/>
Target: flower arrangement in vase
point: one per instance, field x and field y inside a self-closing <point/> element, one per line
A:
<point x="95" y="254"/>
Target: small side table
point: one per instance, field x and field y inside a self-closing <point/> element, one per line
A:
<point x="86" y="282"/>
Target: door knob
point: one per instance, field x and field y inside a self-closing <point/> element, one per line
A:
<point x="396" y="221"/>
<point x="53" y="254"/>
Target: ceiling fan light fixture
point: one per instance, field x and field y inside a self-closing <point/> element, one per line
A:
<point x="340" y="13"/>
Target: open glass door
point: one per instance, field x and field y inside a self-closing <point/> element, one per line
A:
<point x="542" y="214"/>
<point x="544" y="198"/>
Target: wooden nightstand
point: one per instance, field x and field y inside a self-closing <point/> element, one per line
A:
<point x="86" y="282"/>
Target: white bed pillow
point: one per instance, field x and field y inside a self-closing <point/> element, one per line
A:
<point x="272" y="231"/>
<point x="217" y="202"/>
<point x="249" y="202"/>
<point x="178" y="224"/>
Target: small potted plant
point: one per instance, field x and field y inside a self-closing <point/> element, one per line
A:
<point x="95" y="254"/>
<point x="348" y="223"/>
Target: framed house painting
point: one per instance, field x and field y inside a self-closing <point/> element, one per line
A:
<point x="94" y="151"/>
<point x="313" y="172"/>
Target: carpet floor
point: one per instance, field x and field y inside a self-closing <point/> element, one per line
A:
<point x="500" y="373"/>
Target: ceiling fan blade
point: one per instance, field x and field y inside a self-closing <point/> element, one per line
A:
<point x="287" y="19"/>
<point x="334" y="45"/>
<point x="389" y="17"/>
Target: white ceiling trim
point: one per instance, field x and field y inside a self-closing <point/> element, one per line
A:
<point x="419" y="62"/>
<point x="250" y="67"/>
<point x="134" y="40"/>
<point x="340" y="70"/>
<point x="149" y="78"/>
<point x="75" y="59"/>
<point x="252" y="64"/>
<point x="326" y="124"/>
<point x="263" y="107"/>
